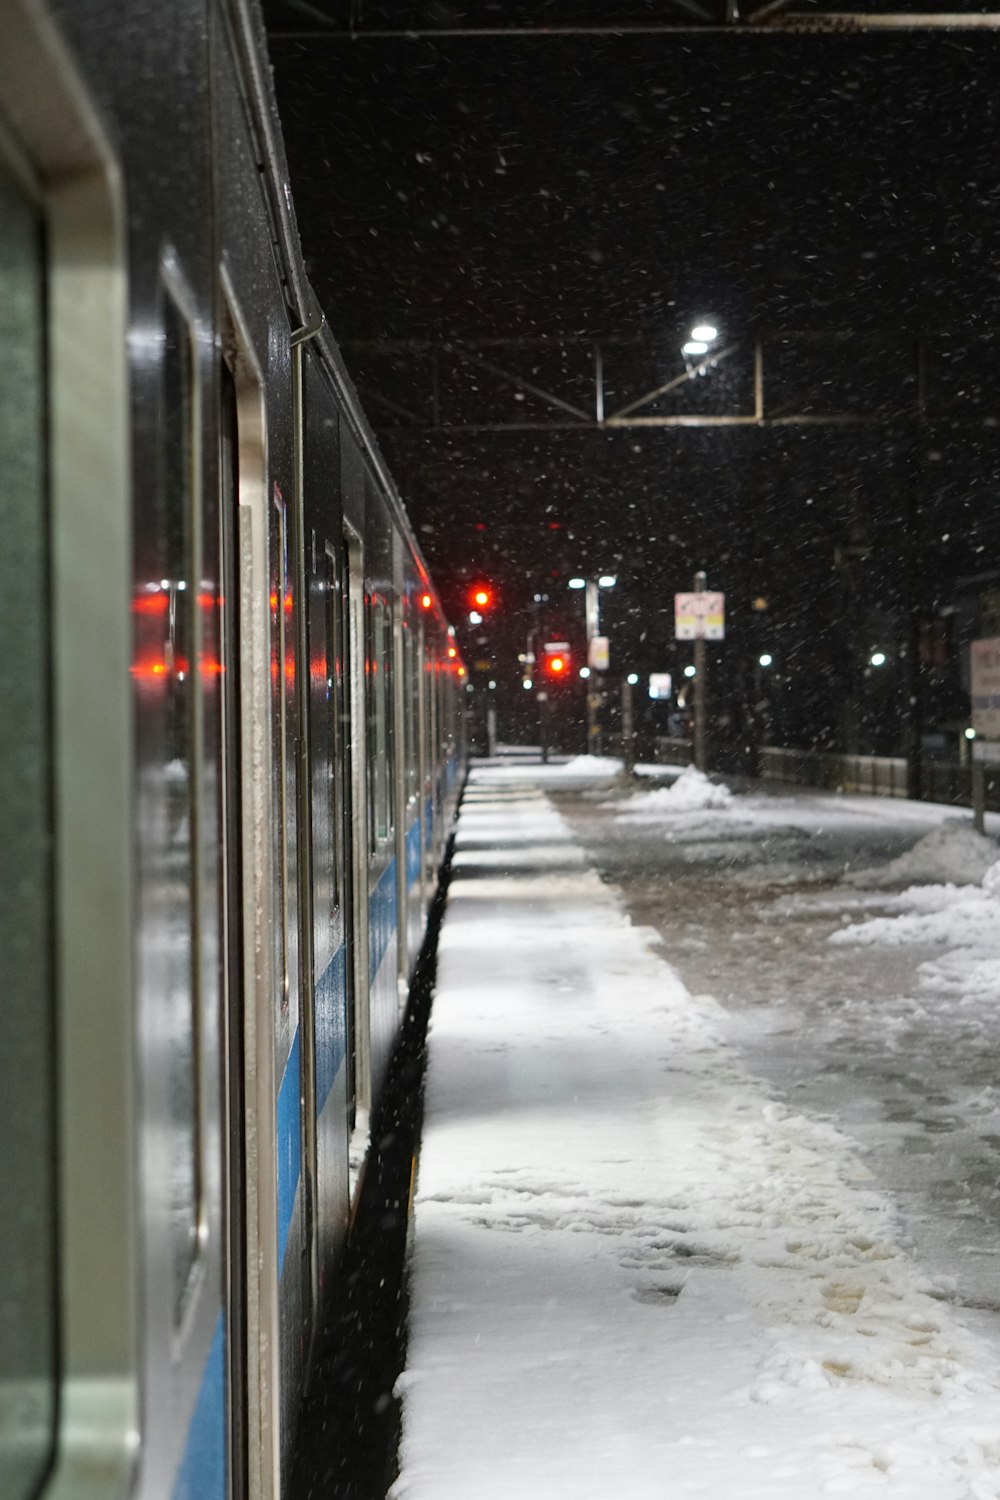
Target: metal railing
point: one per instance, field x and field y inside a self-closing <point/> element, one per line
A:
<point x="876" y="775"/>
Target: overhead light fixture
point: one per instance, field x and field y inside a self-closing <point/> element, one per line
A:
<point x="705" y="333"/>
<point x="607" y="580"/>
<point x="575" y="583"/>
<point x="694" y="346"/>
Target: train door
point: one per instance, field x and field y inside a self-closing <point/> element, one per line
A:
<point x="359" y="1038"/>
<point x="422" y="776"/>
<point x="235" y="1138"/>
<point x="252" y="1302"/>
<point x="324" y="751"/>
<point x="304" y="569"/>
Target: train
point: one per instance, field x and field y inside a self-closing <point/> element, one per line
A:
<point x="231" y="748"/>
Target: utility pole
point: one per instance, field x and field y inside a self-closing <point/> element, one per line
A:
<point x="628" y="728"/>
<point x="592" y="605"/>
<point x="700" y="686"/>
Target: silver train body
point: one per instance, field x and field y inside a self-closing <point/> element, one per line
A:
<point x="230" y="750"/>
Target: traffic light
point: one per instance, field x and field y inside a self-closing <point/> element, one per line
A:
<point x="480" y="596"/>
<point x="557" y="660"/>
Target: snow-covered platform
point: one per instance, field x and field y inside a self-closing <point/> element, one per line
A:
<point x="640" y="1268"/>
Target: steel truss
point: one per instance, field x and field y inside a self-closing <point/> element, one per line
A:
<point x="347" y="20"/>
<point x="784" y="378"/>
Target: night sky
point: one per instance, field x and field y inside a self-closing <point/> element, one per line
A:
<point x="616" y="188"/>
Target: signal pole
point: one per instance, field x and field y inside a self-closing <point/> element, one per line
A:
<point x="700" y="686"/>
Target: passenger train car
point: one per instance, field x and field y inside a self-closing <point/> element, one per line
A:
<point x="230" y="749"/>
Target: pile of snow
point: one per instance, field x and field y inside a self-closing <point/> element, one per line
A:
<point x="953" y="853"/>
<point x="526" y="766"/>
<point x="962" y="921"/>
<point x="691" y="792"/>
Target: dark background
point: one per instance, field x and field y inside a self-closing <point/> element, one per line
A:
<point x="569" y="189"/>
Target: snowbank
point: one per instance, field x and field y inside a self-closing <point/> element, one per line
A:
<point x="691" y="792"/>
<point x="953" y="853"/>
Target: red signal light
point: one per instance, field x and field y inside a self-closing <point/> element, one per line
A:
<point x="480" y="596"/>
<point x="557" y="665"/>
<point x="426" y="601"/>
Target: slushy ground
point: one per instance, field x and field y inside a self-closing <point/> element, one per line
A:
<point x="708" y="1198"/>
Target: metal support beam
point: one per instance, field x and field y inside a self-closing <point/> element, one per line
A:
<point x="723" y="17"/>
<point x="423" y="386"/>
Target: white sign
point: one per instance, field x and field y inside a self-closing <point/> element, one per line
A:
<point x="700" y="617"/>
<point x="660" y="685"/>
<point x="598" y="654"/>
<point x="985" y="672"/>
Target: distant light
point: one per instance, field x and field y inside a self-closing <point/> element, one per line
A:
<point x="970" y="733"/>
<point x="426" y="601"/>
<point x="527" y="684"/>
<point x="694" y="346"/>
<point x="475" y="618"/>
<point x="877" y="659"/>
<point x="765" y="660"/>
<point x="584" y="672"/>
<point x="575" y="583"/>
<point x="704" y="333"/>
<point x="633" y="678"/>
<point x="491" y="684"/>
<point x="452" y="651"/>
<point x="690" y="671"/>
<point x="607" y="580"/>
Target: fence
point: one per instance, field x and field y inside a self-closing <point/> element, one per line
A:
<point x="877" y="775"/>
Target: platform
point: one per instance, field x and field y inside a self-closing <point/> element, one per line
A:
<point x="640" y="1268"/>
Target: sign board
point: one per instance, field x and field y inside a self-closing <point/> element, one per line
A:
<point x="984" y="663"/>
<point x="552" y="648"/>
<point x="660" y="685"/>
<point x="699" y="617"/>
<point x="598" y="655"/>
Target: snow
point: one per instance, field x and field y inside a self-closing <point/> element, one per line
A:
<point x="693" y="791"/>
<point x="954" y="852"/>
<point x="638" y="1269"/>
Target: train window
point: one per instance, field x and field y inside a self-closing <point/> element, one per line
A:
<point x="335" y="690"/>
<point x="168" y="713"/>
<point x="380" y="737"/>
<point x="410" y="711"/>
<point x="28" y="1292"/>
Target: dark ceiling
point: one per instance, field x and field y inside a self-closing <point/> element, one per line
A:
<point x="613" y="187"/>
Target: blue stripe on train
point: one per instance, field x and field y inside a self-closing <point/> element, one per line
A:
<point x="331" y="1043"/>
<point x="289" y="1145"/>
<point x="382" y="918"/>
<point x="202" y="1474"/>
<point x="413" y="854"/>
<point x="331" y="1025"/>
